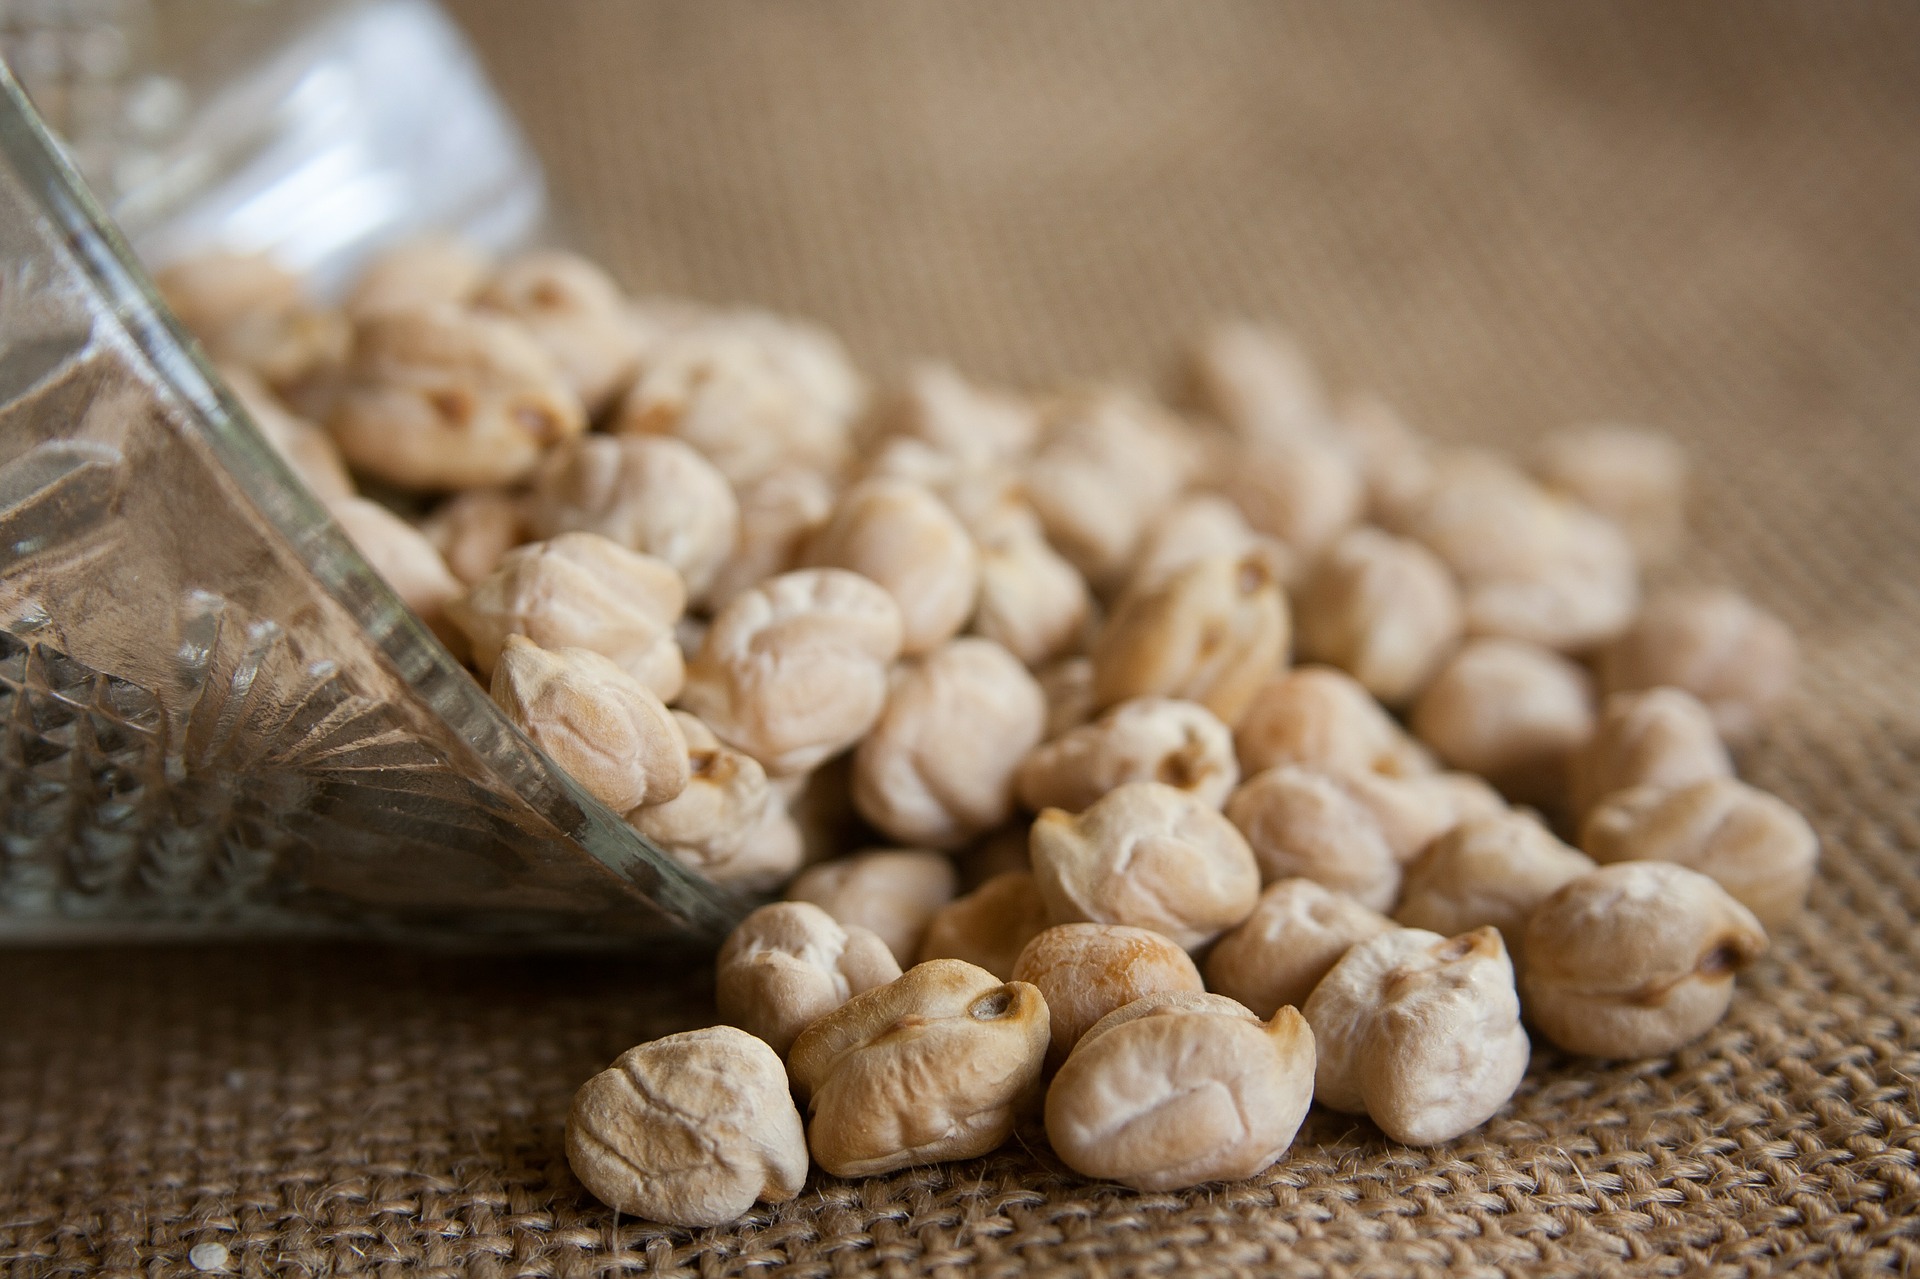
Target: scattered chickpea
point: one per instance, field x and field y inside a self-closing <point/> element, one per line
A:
<point x="1323" y="719"/>
<point x="1089" y="970"/>
<point x="778" y="513"/>
<point x="1298" y="930"/>
<point x="1750" y="843"/>
<point x="407" y="560"/>
<point x="574" y="310"/>
<point x="1148" y="855"/>
<point x="789" y="964"/>
<point x="930" y="1067"/>
<point x="1175" y="1090"/>
<point x="1631" y="475"/>
<point x="1662" y="737"/>
<point x="1396" y="461"/>
<point x="1031" y="599"/>
<point x="898" y="534"/>
<point x="1511" y="711"/>
<point x="1382" y="608"/>
<point x="990" y="926"/>
<point x="1635" y="959"/>
<point x="892" y="892"/>
<point x="1149" y="739"/>
<point x="1716" y="644"/>
<point x="976" y="425"/>
<point x="1200" y="526"/>
<point x="1303" y="824"/>
<point x="474" y="530"/>
<point x="691" y="1130"/>
<point x="431" y="271"/>
<point x="729" y="824"/>
<point x="1487" y="871"/>
<point x="1258" y="382"/>
<point x="1419" y="1032"/>
<point x="1303" y="490"/>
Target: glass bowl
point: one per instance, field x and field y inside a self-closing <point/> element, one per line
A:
<point x="218" y="719"/>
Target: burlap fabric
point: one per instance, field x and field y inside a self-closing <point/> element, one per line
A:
<point x="1504" y="217"/>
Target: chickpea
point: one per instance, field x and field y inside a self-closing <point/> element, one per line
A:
<point x="729" y="824"/>
<point x="990" y="926"/>
<point x="1200" y="526"/>
<point x="1258" y="381"/>
<point x="1306" y="825"/>
<point x="251" y="313"/>
<point x="1487" y="871"/>
<point x="1179" y="1089"/>
<point x="1304" y="490"/>
<point x="975" y="425"/>
<point x="1635" y="959"/>
<point x="1147" y="855"/>
<point x="1298" y="930"/>
<point x="1213" y="634"/>
<point x="900" y="535"/>
<point x="1148" y="739"/>
<point x="574" y="310"/>
<point x="929" y="1067"/>
<point x="657" y="497"/>
<point x="1396" y="461"/>
<point x="1716" y="644"/>
<point x="1032" y="600"/>
<point x="1420" y="1032"/>
<point x="406" y="561"/>
<point x="778" y="514"/>
<point x="1382" y="608"/>
<point x="1631" y="475"/>
<point x="789" y="964"/>
<point x="474" y="530"/>
<point x="306" y="449"/>
<point x="1323" y="719"/>
<point x="430" y="271"/>
<point x="1663" y="737"/>
<point x="1753" y="845"/>
<point x="1511" y="711"/>
<point x="1086" y="971"/>
<point x="441" y="398"/>
<point x="794" y="671"/>
<point x="892" y="892"/>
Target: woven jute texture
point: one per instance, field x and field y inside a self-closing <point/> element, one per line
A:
<point x="1504" y="217"/>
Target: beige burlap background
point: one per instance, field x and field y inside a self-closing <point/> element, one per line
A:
<point x="1504" y="217"/>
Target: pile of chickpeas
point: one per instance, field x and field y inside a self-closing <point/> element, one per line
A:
<point x="1287" y="755"/>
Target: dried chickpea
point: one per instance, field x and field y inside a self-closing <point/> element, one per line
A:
<point x="1420" y="1032"/>
<point x="1663" y="737"/>
<point x="820" y="802"/>
<point x="974" y="425"/>
<point x="789" y="964"/>
<point x="1718" y="645"/>
<point x="406" y="560"/>
<point x="474" y="530"/>
<point x="1212" y="633"/>
<point x="937" y="769"/>
<point x="1032" y="600"/>
<point x="429" y="271"/>
<point x="1176" y="1090"/>
<point x="658" y="497"/>
<point x="1631" y="475"/>
<point x="1086" y="971"/>
<point x="1511" y="711"/>
<point x="580" y="590"/>
<point x="441" y="398"/>
<point x="1322" y="719"/>
<point x="1148" y="739"/>
<point x="1382" y="608"/>
<point x="1303" y="490"/>
<point x="1635" y="959"/>
<point x="990" y="926"/>
<point x="778" y="513"/>
<point x="1147" y="855"/>
<point x="1258" y="381"/>
<point x="753" y="392"/>
<point x="1307" y="825"/>
<point x="1298" y="930"/>
<point x="1487" y="871"/>
<point x="892" y="892"/>
<point x="729" y="824"/>
<point x="930" y="1067"/>
<point x="900" y="535"/>
<point x="251" y="313"/>
<point x="1750" y="843"/>
<point x="607" y="729"/>
<point x="1067" y="685"/>
<point x="574" y="310"/>
<point x="690" y="1130"/>
<point x="794" y="671"/>
<point x="1415" y="811"/>
<point x="1199" y="526"/>
<point x="1396" y="461"/>
<point x="303" y="446"/>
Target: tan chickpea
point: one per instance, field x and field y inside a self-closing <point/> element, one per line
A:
<point x="1259" y="383"/>
<point x="892" y="892"/>
<point x="1213" y="633"/>
<point x="251" y="313"/>
<point x="303" y="446"/>
<point x="1177" y="1090"/>
<point x="753" y="392"/>
<point x="1420" y="1032"/>
<point x="1716" y="644"/>
<point x="1086" y="971"/>
<point x="1511" y="711"/>
<point x="608" y="730"/>
<point x="794" y="671"/>
<point x="1200" y="526"/>
<point x="937" y="769"/>
<point x="1396" y="461"/>
<point x="1321" y="718"/>
<point x="690" y="1130"/>
<point x="930" y="1067"/>
<point x="789" y="964"/>
<point x="1148" y="739"/>
<point x="657" y="497"/>
<point x="1663" y="737"/>
<point x="441" y="398"/>
<point x="474" y="530"/>
<point x="1067" y="685"/>
<point x="900" y="535"/>
<point x="1382" y="608"/>
<point x="1307" y="825"/>
<point x="1304" y="491"/>
<point x="407" y="562"/>
<point x="990" y="926"/>
<point x="430" y="271"/>
<point x="1633" y="476"/>
<point x="1750" y="843"/>
<point x="1487" y="871"/>
<point x="580" y="590"/>
<point x="1635" y="959"/>
<point x="1032" y="600"/>
<point x="1298" y="930"/>
<point x="972" y="424"/>
<point x="1146" y="855"/>
<point x="778" y="514"/>
<point x="729" y="824"/>
<point x="1414" y="811"/>
<point x="574" y="310"/>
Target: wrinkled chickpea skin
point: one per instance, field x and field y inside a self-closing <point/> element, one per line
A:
<point x="1298" y="930"/>
<point x="1382" y="608"/>
<point x="789" y="964"/>
<point x="901" y="536"/>
<point x="893" y="892"/>
<point x="1089" y="970"/>
<point x="1735" y="657"/>
<point x="1663" y="737"/>
<point x="1488" y="871"/>
<point x="990" y="926"/>
<point x="728" y="824"/>
<point x="1322" y="718"/>
<point x="1149" y="739"/>
<point x="1511" y="711"/>
<point x="1302" y="824"/>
